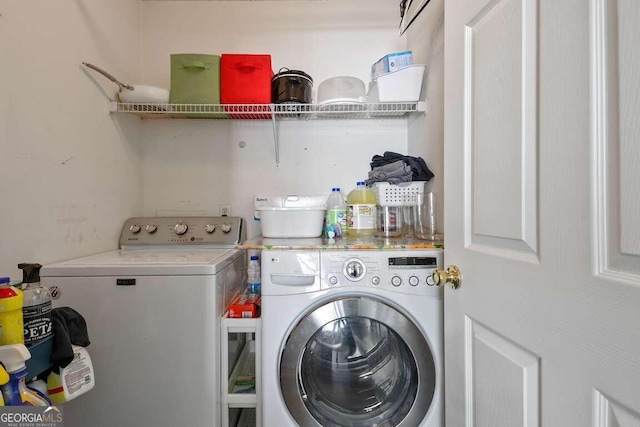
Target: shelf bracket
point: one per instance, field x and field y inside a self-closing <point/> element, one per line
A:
<point x="276" y="144"/>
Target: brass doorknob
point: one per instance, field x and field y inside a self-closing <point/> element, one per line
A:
<point x="452" y="276"/>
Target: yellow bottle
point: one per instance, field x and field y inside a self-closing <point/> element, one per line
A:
<point x="361" y="211"/>
<point x="11" y="321"/>
<point x="4" y="378"/>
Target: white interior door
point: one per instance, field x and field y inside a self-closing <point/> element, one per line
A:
<point x="542" y="205"/>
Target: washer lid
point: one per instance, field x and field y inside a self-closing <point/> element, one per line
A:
<point x="145" y="262"/>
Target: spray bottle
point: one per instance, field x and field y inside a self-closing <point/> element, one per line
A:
<point x="73" y="380"/>
<point x="16" y="392"/>
<point x="37" y="306"/>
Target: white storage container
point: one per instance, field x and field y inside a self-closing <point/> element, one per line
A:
<point x="398" y="86"/>
<point x="290" y="216"/>
<point x="292" y="222"/>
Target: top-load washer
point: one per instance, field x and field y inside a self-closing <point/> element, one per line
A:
<point x="352" y="338"/>
<point x="153" y="311"/>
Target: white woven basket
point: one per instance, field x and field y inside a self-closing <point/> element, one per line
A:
<point x="397" y="194"/>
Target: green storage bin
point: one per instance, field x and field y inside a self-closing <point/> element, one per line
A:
<point x="195" y="79"/>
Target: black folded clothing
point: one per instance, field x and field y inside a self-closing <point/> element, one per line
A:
<point x="419" y="169"/>
<point x="69" y="327"/>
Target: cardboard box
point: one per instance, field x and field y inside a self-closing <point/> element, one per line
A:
<point x="245" y="306"/>
<point x="391" y="62"/>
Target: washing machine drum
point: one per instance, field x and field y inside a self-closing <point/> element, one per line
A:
<point x="357" y="362"/>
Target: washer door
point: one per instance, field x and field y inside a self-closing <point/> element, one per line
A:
<point x="357" y="362"/>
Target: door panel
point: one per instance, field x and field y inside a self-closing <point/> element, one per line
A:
<point x="616" y="126"/>
<point x="550" y="294"/>
<point x="499" y="127"/>
<point x="502" y="379"/>
<point x="609" y="413"/>
<point x="493" y="100"/>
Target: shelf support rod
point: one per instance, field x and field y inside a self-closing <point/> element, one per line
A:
<point x="276" y="144"/>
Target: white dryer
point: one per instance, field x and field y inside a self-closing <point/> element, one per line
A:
<point x="352" y="338"/>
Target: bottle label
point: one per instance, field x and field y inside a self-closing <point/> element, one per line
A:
<point x="78" y="376"/>
<point x="37" y="323"/>
<point x="361" y="217"/>
<point x="337" y="216"/>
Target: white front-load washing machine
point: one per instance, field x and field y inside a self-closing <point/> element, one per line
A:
<point x="352" y="338"/>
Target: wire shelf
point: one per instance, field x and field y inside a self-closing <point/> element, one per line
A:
<point x="269" y="111"/>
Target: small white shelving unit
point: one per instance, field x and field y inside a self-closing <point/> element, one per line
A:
<point x="235" y="391"/>
<point x="360" y="110"/>
<point x="272" y="112"/>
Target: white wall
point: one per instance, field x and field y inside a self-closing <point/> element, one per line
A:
<point x="194" y="166"/>
<point x="68" y="171"/>
<point x="426" y="132"/>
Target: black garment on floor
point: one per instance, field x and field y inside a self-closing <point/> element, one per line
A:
<point x="418" y="166"/>
<point x="69" y="327"/>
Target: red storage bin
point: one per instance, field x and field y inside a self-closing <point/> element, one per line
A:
<point x="246" y="79"/>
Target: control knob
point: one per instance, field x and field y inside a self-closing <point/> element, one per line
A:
<point x="225" y="227"/>
<point x="135" y="228"/>
<point x="180" y="228"/>
<point x="354" y="270"/>
<point x="413" y="281"/>
<point x="396" y="281"/>
<point x="210" y="228"/>
<point x="151" y="228"/>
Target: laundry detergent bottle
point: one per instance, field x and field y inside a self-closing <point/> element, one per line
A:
<point x="16" y="392"/>
<point x="361" y="211"/>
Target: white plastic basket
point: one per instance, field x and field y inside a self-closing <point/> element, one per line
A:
<point x="403" y="85"/>
<point x="396" y="194"/>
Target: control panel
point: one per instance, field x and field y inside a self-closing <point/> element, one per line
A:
<point x="219" y="231"/>
<point x="398" y="270"/>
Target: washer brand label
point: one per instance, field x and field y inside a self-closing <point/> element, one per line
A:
<point x="125" y="282"/>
